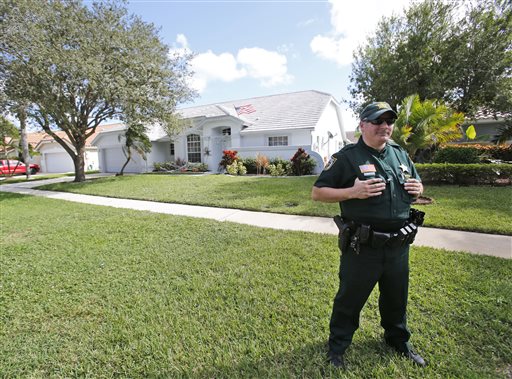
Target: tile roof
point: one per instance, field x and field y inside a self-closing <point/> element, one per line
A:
<point x="283" y="111"/>
<point x="485" y="114"/>
<point x="38" y="137"/>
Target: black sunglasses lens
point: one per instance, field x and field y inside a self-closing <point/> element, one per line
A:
<point x="379" y="121"/>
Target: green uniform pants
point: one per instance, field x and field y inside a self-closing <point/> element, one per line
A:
<point x="358" y="275"/>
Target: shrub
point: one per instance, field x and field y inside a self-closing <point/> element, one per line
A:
<point x="241" y="169"/>
<point x="452" y="154"/>
<point x="499" y="152"/>
<point x="298" y="159"/>
<point x="165" y="166"/>
<point x="465" y="174"/>
<point x="228" y="158"/>
<point x="250" y="165"/>
<point x="197" y="167"/>
<point x="285" y="165"/>
<point x="182" y="167"/>
<point x="502" y="152"/>
<point x="261" y="163"/>
<point x="276" y="169"/>
<point x="236" y="168"/>
<point x="180" y="162"/>
<point x="308" y="166"/>
<point x="302" y="163"/>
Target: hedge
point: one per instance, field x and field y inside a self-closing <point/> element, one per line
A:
<point x="463" y="154"/>
<point x="465" y="174"/>
<point x="472" y="153"/>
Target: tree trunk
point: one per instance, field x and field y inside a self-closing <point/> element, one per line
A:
<point x="22" y="117"/>
<point x="128" y="157"/>
<point x="79" y="162"/>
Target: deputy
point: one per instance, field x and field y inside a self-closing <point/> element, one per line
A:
<point x="375" y="182"/>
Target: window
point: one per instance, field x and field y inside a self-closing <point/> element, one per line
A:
<point x="226" y="132"/>
<point x="278" y="141"/>
<point x="194" y="148"/>
<point x="171" y="147"/>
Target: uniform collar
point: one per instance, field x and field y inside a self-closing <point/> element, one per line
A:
<point x="371" y="149"/>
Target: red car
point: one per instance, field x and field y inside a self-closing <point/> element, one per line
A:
<point x="16" y="167"/>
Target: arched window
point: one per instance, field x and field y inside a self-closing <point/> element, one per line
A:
<point x="194" y="148"/>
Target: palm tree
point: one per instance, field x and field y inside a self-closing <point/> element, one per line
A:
<point x="422" y="125"/>
<point x="135" y="140"/>
<point x="504" y="133"/>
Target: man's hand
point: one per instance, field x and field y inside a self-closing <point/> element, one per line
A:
<point x="368" y="188"/>
<point x="413" y="187"/>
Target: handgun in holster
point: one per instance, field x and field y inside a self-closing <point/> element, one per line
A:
<point x="344" y="232"/>
<point x="360" y="237"/>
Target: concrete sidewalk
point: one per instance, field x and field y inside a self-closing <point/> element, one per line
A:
<point x="475" y="243"/>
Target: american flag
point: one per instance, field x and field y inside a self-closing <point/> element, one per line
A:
<point x="245" y="109"/>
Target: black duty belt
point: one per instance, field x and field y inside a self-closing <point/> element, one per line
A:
<point x="357" y="234"/>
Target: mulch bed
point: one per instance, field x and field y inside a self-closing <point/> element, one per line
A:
<point x="423" y="200"/>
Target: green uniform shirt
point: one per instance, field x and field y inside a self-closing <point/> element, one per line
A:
<point x="359" y="160"/>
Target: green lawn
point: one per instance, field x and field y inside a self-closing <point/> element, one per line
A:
<point x="99" y="292"/>
<point x="476" y="208"/>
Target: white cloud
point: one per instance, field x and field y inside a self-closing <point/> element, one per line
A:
<point x="209" y="66"/>
<point x="351" y="23"/>
<point x="305" y="23"/>
<point x="268" y="67"/>
<point x="180" y="47"/>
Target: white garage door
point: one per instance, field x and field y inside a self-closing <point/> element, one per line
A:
<point x="114" y="159"/>
<point x="59" y="162"/>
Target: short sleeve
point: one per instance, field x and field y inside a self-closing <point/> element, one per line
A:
<point x="335" y="172"/>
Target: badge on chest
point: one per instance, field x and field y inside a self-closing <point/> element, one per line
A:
<point x="404" y="172"/>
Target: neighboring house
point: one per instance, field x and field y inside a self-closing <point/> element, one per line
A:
<point x="352" y="136"/>
<point x="275" y="126"/>
<point x="487" y="125"/>
<point x="54" y="159"/>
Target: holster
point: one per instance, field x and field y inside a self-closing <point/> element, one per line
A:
<point x="344" y="233"/>
<point x="379" y="239"/>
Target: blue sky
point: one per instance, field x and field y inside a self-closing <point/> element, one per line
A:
<point x="255" y="48"/>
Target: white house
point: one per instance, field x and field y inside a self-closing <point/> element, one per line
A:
<point x="275" y="126"/>
<point x="487" y="125"/>
<point x="54" y="159"/>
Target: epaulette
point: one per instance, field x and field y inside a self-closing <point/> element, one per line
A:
<point x="394" y="144"/>
<point x="350" y="146"/>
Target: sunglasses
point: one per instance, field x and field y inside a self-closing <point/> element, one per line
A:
<point x="379" y="121"/>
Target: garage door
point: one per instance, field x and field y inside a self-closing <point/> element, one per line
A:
<point x="114" y="159"/>
<point x="59" y="162"/>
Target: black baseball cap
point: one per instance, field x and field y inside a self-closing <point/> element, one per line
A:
<point x="374" y="110"/>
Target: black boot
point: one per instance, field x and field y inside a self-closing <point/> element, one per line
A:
<point x="336" y="360"/>
<point x="405" y="350"/>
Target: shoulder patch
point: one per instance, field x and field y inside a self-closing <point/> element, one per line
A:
<point x="330" y="163"/>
